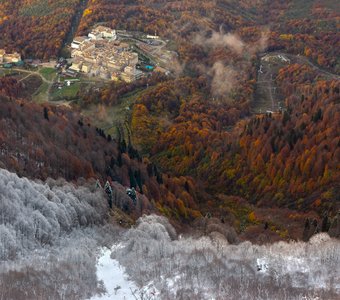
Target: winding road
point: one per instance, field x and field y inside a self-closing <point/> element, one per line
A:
<point x="305" y="60"/>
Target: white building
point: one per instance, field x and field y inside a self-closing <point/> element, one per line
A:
<point x="130" y="74"/>
<point x="100" y="54"/>
<point x="95" y="35"/>
<point x="10" y="58"/>
<point x="86" y="67"/>
<point x="76" y="65"/>
<point x="153" y="37"/>
<point x="78" y="41"/>
<point x="102" y="32"/>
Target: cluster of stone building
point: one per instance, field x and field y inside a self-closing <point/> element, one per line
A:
<point x="100" y="54"/>
<point x="7" y="58"/>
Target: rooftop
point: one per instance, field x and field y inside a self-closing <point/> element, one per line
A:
<point x="101" y="28"/>
<point x="80" y="39"/>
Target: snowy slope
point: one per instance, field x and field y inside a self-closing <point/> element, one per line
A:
<point x="115" y="280"/>
<point x="49" y="233"/>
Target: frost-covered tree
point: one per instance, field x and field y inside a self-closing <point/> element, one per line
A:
<point x="35" y="214"/>
<point x="108" y="191"/>
<point x="209" y="267"/>
<point x="49" y="233"/>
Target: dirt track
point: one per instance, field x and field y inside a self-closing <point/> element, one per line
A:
<point x="267" y="96"/>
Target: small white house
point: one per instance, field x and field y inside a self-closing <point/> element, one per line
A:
<point x="152" y="37"/>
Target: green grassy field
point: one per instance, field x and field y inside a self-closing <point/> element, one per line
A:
<point x="109" y="118"/>
<point x="40" y="96"/>
<point x="66" y="93"/>
<point x="48" y="73"/>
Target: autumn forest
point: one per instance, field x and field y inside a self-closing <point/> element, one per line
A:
<point x="196" y="142"/>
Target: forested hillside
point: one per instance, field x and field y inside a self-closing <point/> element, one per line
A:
<point x="217" y="174"/>
<point x="202" y="268"/>
<point x="307" y="28"/>
<point x="35" y="28"/>
<point x="273" y="159"/>
<point x="51" y="232"/>
<point x="42" y="142"/>
<point x="194" y="145"/>
<point x="200" y="123"/>
<point x="37" y="214"/>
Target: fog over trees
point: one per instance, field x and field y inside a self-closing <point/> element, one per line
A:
<point x="51" y="233"/>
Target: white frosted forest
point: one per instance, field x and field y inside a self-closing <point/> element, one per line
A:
<point x="56" y="243"/>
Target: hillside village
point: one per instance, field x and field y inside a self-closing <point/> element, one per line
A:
<point x="100" y="54"/>
<point x="103" y="55"/>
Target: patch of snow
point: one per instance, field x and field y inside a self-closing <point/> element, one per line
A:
<point x="294" y="264"/>
<point x="150" y="291"/>
<point x="171" y="282"/>
<point x="262" y="265"/>
<point x="115" y="280"/>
